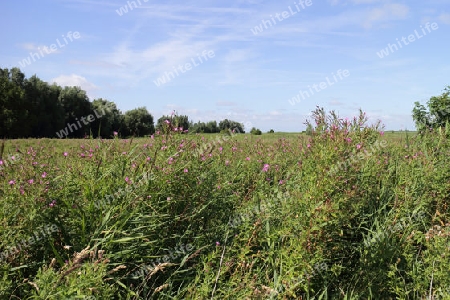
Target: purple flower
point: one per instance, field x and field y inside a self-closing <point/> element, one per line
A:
<point x="358" y="146"/>
<point x="186" y="170"/>
<point x="265" y="168"/>
<point x="65" y="154"/>
<point x="217" y="244"/>
<point x="12" y="182"/>
<point x="115" y="133"/>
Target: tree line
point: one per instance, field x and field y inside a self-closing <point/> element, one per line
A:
<point x="33" y="108"/>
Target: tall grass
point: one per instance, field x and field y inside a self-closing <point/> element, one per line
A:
<point x="250" y="218"/>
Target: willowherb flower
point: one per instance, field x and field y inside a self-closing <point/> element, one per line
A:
<point x="31" y="181"/>
<point x="65" y="153"/>
<point x="12" y="182"/>
<point x="115" y="133"/>
<point x="358" y="146"/>
<point x="186" y="170"/>
<point x="265" y="168"/>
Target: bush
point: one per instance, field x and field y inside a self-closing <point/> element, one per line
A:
<point x="255" y="131"/>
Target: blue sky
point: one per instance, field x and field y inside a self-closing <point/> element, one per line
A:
<point x="251" y="78"/>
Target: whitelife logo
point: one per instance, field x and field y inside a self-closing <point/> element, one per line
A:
<point x="168" y="76"/>
<point x="124" y="9"/>
<point x="391" y="48"/>
<point x="42" y="52"/>
<point x="65" y="132"/>
<point x="265" y="24"/>
<point x="321" y="86"/>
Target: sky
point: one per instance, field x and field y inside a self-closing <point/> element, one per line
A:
<point x="266" y="64"/>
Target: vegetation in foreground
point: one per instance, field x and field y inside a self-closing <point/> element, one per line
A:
<point x="167" y="218"/>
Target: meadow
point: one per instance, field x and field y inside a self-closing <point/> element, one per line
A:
<point x="246" y="217"/>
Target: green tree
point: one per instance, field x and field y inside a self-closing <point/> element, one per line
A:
<point x="176" y="121"/>
<point x="437" y="115"/>
<point x="76" y="106"/>
<point x="14" y="110"/>
<point x="255" y="131"/>
<point x="47" y="112"/>
<point x="138" y="122"/>
<point x="111" y="120"/>
<point x="233" y="125"/>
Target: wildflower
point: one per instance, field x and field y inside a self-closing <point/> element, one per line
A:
<point x="358" y="146"/>
<point x="281" y="182"/>
<point x="227" y="162"/>
<point x="1" y="162"/>
<point x="127" y="180"/>
<point x="13" y="157"/>
<point x="186" y="170"/>
<point x="217" y="244"/>
<point x="265" y="168"/>
<point x="169" y="198"/>
<point x="247" y="158"/>
<point x="220" y="149"/>
<point x="65" y="154"/>
<point x="348" y="140"/>
<point x="115" y="133"/>
<point x="381" y="133"/>
<point x="148" y="158"/>
<point x="167" y="121"/>
<point x="53" y="203"/>
<point x="12" y="182"/>
<point x="31" y="181"/>
<point x="309" y="145"/>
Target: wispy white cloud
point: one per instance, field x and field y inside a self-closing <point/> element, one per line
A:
<point x="76" y="80"/>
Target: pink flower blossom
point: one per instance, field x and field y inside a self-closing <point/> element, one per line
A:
<point x="31" y="181"/>
<point x="65" y="154"/>
<point x="44" y="175"/>
<point x="115" y="133"/>
<point x="265" y="168"/>
<point x="247" y="158"/>
<point x="227" y="162"/>
<point x="167" y="121"/>
<point x="358" y="146"/>
<point x="186" y="170"/>
<point x="12" y="182"/>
